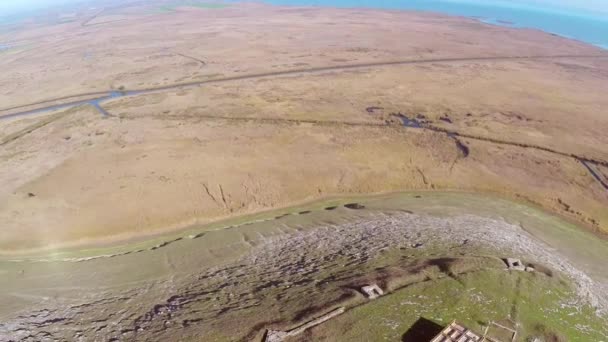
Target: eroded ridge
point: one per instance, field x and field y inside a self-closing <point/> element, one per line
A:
<point x="327" y="259"/>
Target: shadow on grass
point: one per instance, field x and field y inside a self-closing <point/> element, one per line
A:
<point x="422" y="330"/>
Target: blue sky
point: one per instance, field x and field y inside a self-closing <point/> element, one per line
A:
<point x="11" y="6"/>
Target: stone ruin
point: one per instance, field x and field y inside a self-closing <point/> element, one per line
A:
<point x="505" y="331"/>
<point x="372" y="291"/>
<point x="517" y="265"/>
<point x="456" y="332"/>
<point x="279" y="336"/>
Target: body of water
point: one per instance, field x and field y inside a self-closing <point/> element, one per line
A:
<point x="582" y="25"/>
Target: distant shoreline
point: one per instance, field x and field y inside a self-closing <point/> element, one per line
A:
<point x="496" y="18"/>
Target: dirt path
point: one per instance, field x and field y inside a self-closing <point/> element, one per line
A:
<point x="413" y="123"/>
<point x="594" y="173"/>
<point x="587" y="162"/>
<point x="134" y="92"/>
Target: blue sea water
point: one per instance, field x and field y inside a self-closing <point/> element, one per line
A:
<point x="582" y="25"/>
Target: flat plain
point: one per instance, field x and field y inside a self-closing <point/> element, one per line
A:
<point x="318" y="100"/>
<point x="133" y="124"/>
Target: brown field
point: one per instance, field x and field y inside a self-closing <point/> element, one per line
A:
<point x="299" y="104"/>
<point x="208" y="173"/>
